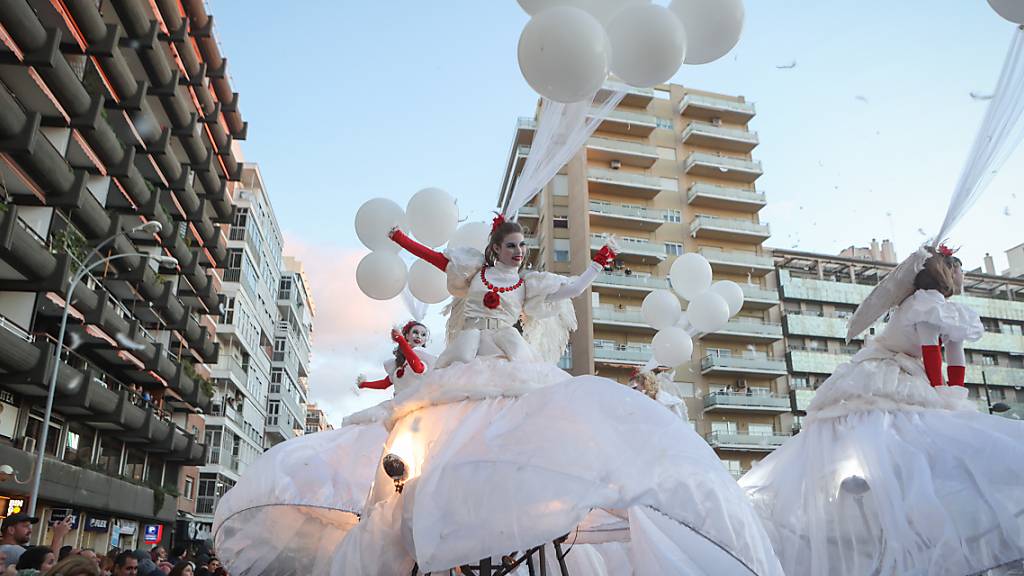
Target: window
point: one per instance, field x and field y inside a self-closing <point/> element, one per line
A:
<point x="35" y="430"/>
<point x="988" y="359"/>
<point x="285" y="291"/>
<point x="78" y="445"/>
<point x="799" y="382"/>
<point x="673" y="249"/>
<point x="733" y="466"/>
<point x="110" y="456"/>
<point x="723" y="427"/>
<point x="229" y="310"/>
<point x="134" y="464"/>
<point x="672" y="215"/>
<point x="718" y="352"/>
<point x="662" y="94"/>
<point x="279" y="348"/>
<point x="560" y="185"/>
<point x="562" y="253"/>
<point x="189" y="483"/>
<point x="560" y="222"/>
<point x="760" y="429"/>
<point x="665" y="123"/>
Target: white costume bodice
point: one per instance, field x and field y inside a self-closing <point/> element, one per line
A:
<point x="512" y="302"/>
<point x="402" y="377"/>
<point x="956" y="322"/>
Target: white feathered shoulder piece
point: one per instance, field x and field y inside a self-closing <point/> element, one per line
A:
<point x="455" y="311"/>
<point x="549" y="335"/>
<point x="890" y="292"/>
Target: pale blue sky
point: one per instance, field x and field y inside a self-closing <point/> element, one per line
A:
<point x="351" y="100"/>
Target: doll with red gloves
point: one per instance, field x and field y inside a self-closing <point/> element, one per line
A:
<point x="493" y="292"/>
<point x="895" y="470"/>
<point x="409" y="362"/>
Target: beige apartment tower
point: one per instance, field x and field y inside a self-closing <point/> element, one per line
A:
<point x="669" y="171"/>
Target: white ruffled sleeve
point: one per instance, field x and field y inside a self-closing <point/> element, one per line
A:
<point x="540" y="285"/>
<point x="956" y="322"/>
<point x="463" y="264"/>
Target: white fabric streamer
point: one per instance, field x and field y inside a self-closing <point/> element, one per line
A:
<point x="999" y="135"/>
<point x="561" y="131"/>
<point x="417" y="309"/>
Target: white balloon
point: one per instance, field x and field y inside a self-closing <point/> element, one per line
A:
<point x="603" y="10"/>
<point x="661" y="309"/>
<point x="1012" y="10"/>
<point x="471" y="235"/>
<point x="690" y="275"/>
<point x="428" y="284"/>
<point x="672" y="347"/>
<point x="434" y="216"/>
<point x="563" y="54"/>
<point x="381" y="275"/>
<point x="647" y="44"/>
<point x="731" y="293"/>
<point x="375" y="219"/>
<point x="708" y="312"/>
<point x="713" y="27"/>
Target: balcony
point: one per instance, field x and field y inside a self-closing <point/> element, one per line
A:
<point x="631" y="123"/>
<point x="715" y="228"/>
<point x="723" y="167"/>
<point x="629" y="153"/>
<point x="615" y="283"/>
<point x="532" y="242"/>
<point x="818" y="326"/>
<point x="747" y="330"/>
<point x="713" y="136"/>
<point x="623" y="318"/>
<point x="528" y="213"/>
<point x="815" y="361"/>
<point x="710" y="107"/>
<point x="629" y="354"/>
<point x="230" y="368"/>
<point x="724" y="197"/>
<point x="632" y="217"/>
<point x="737" y="262"/>
<point x="745" y="442"/>
<point x="758" y="365"/>
<point x="640" y="252"/>
<point x="757" y="298"/>
<point x="626" y="183"/>
<point x="637" y="97"/>
<point x="995" y="375"/>
<point x="750" y="403"/>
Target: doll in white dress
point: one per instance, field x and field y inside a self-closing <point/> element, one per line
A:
<point x="895" y="471"/>
<point x="408" y="364"/>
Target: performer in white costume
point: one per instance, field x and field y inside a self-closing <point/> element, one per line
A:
<point x="497" y="457"/>
<point x="407" y="365"/>
<point x="652" y="384"/>
<point x="895" y="470"/>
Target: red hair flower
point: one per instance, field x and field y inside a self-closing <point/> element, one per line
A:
<point x="946" y="250"/>
<point x="492" y="300"/>
<point x="498" y="221"/>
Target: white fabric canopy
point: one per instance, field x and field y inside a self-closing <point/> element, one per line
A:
<point x="999" y="135"/>
<point x="561" y="131"/>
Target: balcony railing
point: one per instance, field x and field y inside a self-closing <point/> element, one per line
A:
<point x="710" y="194"/>
<point x="746" y="402"/>
<point x="627" y="354"/>
<point x="699" y="131"/>
<point x="632" y="281"/>
<point x="741" y="111"/>
<point x="654" y="249"/>
<point x="751" y="292"/>
<point x="752" y="328"/>
<point x="624" y="147"/>
<point x="624" y="179"/>
<point x="729" y="225"/>
<point x="724" y="165"/>
<point x="205" y="504"/>
<point x="763" y="363"/>
<point x="624" y="117"/>
<point x="619" y="315"/>
<point x="736" y="441"/>
<point x="815" y="361"/>
<point x="737" y="258"/>
<point x="638" y="213"/>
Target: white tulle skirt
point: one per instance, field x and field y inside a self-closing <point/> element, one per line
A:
<point x="504" y="458"/>
<point x="890" y="476"/>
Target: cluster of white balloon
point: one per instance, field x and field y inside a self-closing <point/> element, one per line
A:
<point x="709" y="309"/>
<point x="568" y="47"/>
<point x="1012" y="10"/>
<point x="432" y="217"/>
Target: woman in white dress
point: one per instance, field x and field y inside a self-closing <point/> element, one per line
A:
<point x="497" y="455"/>
<point x="895" y="471"/>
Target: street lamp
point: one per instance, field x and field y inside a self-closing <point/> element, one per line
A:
<point x="151" y="227"/>
<point x="998" y="407"/>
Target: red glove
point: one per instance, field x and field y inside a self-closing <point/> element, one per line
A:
<point x="410" y="355"/>
<point x="382" y="384"/>
<point x="956" y="375"/>
<point x="419" y="250"/>
<point x="605" y="256"/>
<point x="932" y="356"/>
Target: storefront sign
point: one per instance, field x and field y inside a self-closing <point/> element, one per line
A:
<point x="14" y="506"/>
<point x="97" y="523"/>
<point x="153" y="533"/>
<point x="59" y="514"/>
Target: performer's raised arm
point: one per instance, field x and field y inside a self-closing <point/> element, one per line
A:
<point x="418" y="250"/>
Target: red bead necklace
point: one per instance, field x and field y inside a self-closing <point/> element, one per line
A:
<point x="492" y="299"/>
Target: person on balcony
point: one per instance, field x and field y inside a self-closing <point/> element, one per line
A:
<point x="894" y="470"/>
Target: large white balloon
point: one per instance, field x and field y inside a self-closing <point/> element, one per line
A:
<point x="672" y="347"/>
<point x="713" y="27"/>
<point x="661" y="309"/>
<point x="434" y="216"/>
<point x="690" y="275"/>
<point x="731" y="293"/>
<point x="563" y="54"/>
<point x="427" y="283"/>
<point x="708" y="312"/>
<point x="1012" y="10"/>
<point x="603" y="10"/>
<point x="381" y="275"/>
<point x="471" y="235"/>
<point x="375" y="219"/>
<point x="647" y="44"/>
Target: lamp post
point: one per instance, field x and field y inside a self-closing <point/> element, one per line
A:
<point x="149" y="227"/>
<point x="998" y="407"/>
